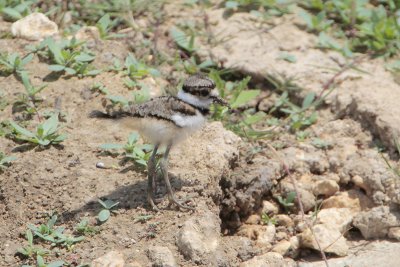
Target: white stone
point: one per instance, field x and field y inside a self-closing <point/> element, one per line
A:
<point x="161" y="256"/>
<point x="111" y="259"/>
<point x="198" y="239"/>
<point x="330" y="240"/>
<point x="270" y="259"/>
<point x="282" y="247"/>
<point x="325" y="187"/>
<point x="336" y="218"/>
<point x="35" y="27"/>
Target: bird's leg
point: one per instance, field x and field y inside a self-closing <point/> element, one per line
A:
<point x="164" y="170"/>
<point x="151" y="172"/>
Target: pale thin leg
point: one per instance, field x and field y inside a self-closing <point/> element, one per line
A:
<point x="151" y="173"/>
<point x="164" y="170"/>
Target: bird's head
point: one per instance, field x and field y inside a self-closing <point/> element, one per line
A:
<point x="199" y="90"/>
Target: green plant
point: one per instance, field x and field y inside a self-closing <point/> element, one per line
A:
<point x="55" y="235"/>
<point x="192" y="65"/>
<point x="139" y="153"/>
<point x="365" y="26"/>
<point x="265" y="219"/>
<point x="5" y="161"/>
<point x="316" y="23"/>
<point x="31" y="250"/>
<point x="105" y="24"/>
<point x="105" y="213"/>
<point x="46" y="231"/>
<point x="101" y="88"/>
<point x="143" y="218"/>
<point x="261" y="8"/>
<point x="288" y="201"/>
<point x="13" y="63"/>
<point x="45" y="134"/>
<point x="15" y="10"/>
<point x="299" y="116"/>
<point x="239" y="98"/>
<point x="41" y="263"/>
<point x="83" y="227"/>
<point x="135" y="69"/>
<point x="321" y="144"/>
<point x="183" y="40"/>
<point x="73" y="62"/>
<point x="30" y="90"/>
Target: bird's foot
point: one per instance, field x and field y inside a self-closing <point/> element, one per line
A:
<point x="174" y="201"/>
<point x="151" y="201"/>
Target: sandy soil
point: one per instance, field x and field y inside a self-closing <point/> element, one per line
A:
<point x="231" y="186"/>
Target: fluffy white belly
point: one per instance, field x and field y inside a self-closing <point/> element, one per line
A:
<point x="163" y="131"/>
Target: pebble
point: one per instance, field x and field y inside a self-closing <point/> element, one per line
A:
<point x="34" y="27"/>
<point x="111" y="259"/>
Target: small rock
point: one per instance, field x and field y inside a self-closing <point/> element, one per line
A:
<point x="35" y="27"/>
<point x="359" y="181"/>
<point x="198" y="238"/>
<point x="284" y="220"/>
<point x="394" y="233"/>
<point x="88" y="33"/>
<point x="111" y="259"/>
<point x="253" y="219"/>
<point x="270" y="259"/>
<point x="326" y="188"/>
<point x="281" y="235"/>
<point x="262" y="234"/>
<point x="352" y="199"/>
<point x="242" y="245"/>
<point x="307" y="199"/>
<point x="376" y="222"/>
<point x="161" y="257"/>
<point x="294" y="246"/>
<point x="316" y="160"/>
<point x="266" y="235"/>
<point x="330" y="239"/>
<point x="269" y="207"/>
<point x="133" y="264"/>
<point x="336" y="218"/>
<point x="282" y="247"/>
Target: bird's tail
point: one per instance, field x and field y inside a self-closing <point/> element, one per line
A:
<point x="112" y="115"/>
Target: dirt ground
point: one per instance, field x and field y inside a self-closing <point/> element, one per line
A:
<point x="231" y="185"/>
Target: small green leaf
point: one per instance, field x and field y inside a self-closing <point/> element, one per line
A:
<point x="308" y="100"/>
<point x="56" y="68"/>
<point x="22" y="130"/>
<point x="50" y="125"/>
<point x="12" y="13"/>
<point x="244" y="97"/>
<point x="111" y="146"/>
<point x="288" y="57"/>
<point x="56" y="264"/>
<point x="29" y="236"/>
<point x="40" y="261"/>
<point x="70" y="71"/>
<point x="84" y="57"/>
<point x="231" y="4"/>
<point x="104" y="215"/>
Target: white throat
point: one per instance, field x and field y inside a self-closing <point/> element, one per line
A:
<point x="194" y="100"/>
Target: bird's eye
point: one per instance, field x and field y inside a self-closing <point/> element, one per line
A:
<point x="204" y="92"/>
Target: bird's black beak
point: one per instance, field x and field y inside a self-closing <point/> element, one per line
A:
<point x="221" y="101"/>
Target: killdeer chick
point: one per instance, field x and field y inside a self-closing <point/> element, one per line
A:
<point x="167" y="120"/>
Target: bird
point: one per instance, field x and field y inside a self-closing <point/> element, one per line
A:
<point x="167" y="120"/>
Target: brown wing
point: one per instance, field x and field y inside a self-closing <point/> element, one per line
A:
<point x="162" y="107"/>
